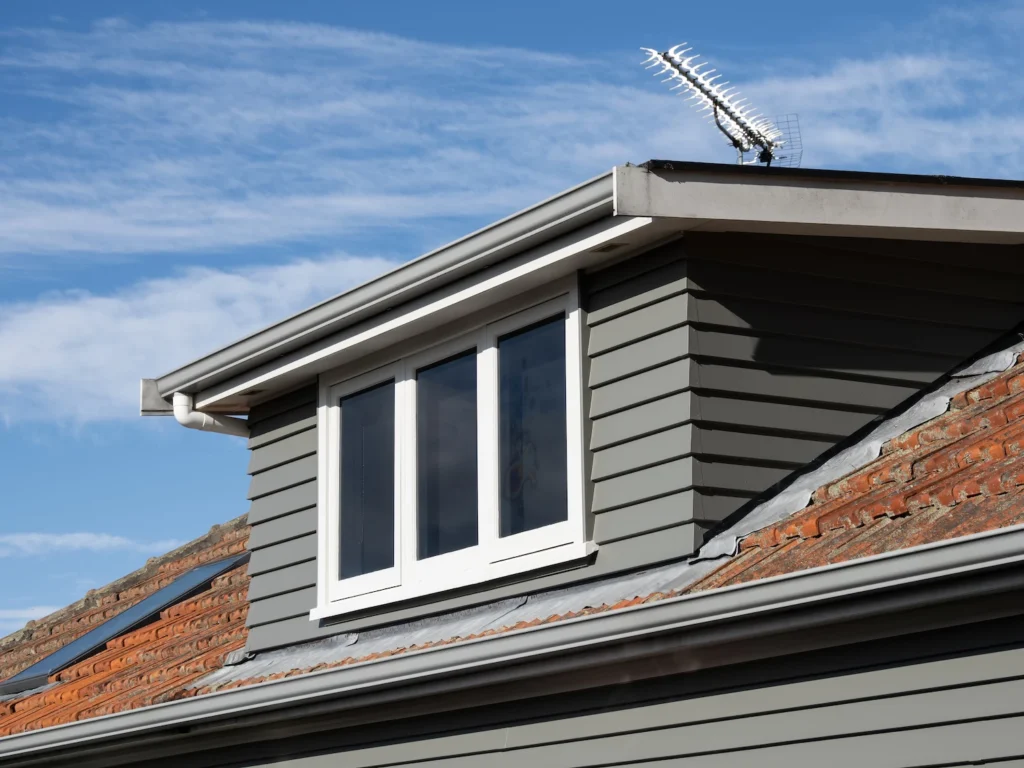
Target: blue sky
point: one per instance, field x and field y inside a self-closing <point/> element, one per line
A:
<point x="174" y="175"/>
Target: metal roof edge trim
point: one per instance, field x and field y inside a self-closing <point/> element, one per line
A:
<point x="825" y="173"/>
<point x="449" y="666"/>
<point x="557" y="215"/>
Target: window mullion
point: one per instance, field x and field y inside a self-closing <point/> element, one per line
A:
<point x="406" y="447"/>
<point x="487" y="442"/>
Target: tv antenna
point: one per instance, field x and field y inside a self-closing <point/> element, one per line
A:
<point x="748" y="132"/>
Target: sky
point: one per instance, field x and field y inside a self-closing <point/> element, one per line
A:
<point x="175" y="175"/>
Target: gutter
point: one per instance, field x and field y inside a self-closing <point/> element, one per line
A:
<point x="893" y="583"/>
<point x="558" y="215"/>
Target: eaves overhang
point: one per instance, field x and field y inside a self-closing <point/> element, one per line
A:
<point x="547" y="220"/>
<point x="798" y="201"/>
<point x="892" y="584"/>
<point x="671" y="197"/>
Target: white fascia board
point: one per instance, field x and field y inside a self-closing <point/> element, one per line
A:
<point x="769" y="203"/>
<point x="530" y="270"/>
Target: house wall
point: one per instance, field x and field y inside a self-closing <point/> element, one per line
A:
<point x="720" y="363"/>
<point x="716" y="365"/>
<point x="944" y="697"/>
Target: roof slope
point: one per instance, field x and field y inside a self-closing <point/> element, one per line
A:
<point x="959" y="473"/>
<point x="145" y="666"/>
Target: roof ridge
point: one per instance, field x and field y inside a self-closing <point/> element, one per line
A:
<point x="121" y="589"/>
<point x="45" y="636"/>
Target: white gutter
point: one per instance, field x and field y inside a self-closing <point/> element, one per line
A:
<point x="895" y="581"/>
<point x="187" y="416"/>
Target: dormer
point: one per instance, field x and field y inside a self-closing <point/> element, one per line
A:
<point x="590" y="386"/>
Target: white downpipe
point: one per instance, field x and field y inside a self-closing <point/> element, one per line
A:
<point x="207" y="422"/>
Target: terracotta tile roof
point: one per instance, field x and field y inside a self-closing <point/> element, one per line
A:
<point x="145" y="666"/>
<point x="958" y="474"/>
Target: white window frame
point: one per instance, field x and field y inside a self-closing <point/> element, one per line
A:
<point x="339" y="588"/>
<point x="493" y="557"/>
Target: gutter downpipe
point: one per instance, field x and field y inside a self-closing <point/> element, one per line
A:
<point x="187" y="416"/>
<point x="743" y="610"/>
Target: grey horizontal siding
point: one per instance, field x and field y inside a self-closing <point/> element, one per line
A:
<point x="860" y="262"/>
<point x="282" y="425"/>
<point x="718" y="364"/>
<point x="283" y="528"/>
<point x="770" y="277"/>
<point x="284" y="553"/>
<point x="283" y="502"/>
<point x="283" y="516"/>
<point x="283" y="476"/>
<point x="284" y="451"/>
<point x="917" y="701"/>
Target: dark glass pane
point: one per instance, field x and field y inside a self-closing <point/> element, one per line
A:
<point x="532" y="439"/>
<point x="446" y="483"/>
<point x="368" y="481"/>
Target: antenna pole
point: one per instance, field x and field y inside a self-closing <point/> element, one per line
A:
<point x="732" y="140"/>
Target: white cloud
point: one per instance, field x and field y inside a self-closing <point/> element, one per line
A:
<point x="186" y="138"/>
<point x="35" y="544"/>
<point x="13" y="619"/>
<point x="78" y="356"/>
<point x="173" y="137"/>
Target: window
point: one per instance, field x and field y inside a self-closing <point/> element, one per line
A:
<point x="454" y="465"/>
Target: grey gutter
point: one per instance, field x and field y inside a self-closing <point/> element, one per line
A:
<point x="894" y="582"/>
<point x="555" y="216"/>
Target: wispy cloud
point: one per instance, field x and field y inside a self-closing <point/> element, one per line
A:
<point x="13" y="619"/>
<point x="187" y="138"/>
<point x="36" y="544"/>
<point x="105" y="343"/>
<point x="175" y="137"/>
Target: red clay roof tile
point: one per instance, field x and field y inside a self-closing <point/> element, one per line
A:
<point x="188" y="640"/>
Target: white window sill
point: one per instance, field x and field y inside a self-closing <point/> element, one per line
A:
<point x="560" y="555"/>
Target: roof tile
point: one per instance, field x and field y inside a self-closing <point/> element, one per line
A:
<point x="185" y="642"/>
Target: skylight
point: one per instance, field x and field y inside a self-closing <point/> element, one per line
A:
<point x="182" y="587"/>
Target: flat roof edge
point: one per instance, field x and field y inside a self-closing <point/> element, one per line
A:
<point x="557" y="215"/>
<point x="823" y="173"/>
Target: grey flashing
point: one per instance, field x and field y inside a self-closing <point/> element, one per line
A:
<point x="830" y="174"/>
<point x="151" y="402"/>
<point x="985" y="564"/>
<point x="466" y="623"/>
<point x="544" y="221"/>
<point x="797" y="495"/>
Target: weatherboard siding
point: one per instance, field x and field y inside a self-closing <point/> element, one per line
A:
<point x="282" y="514"/>
<point x="721" y="363"/>
<point x="943" y="697"/>
<point x="710" y="376"/>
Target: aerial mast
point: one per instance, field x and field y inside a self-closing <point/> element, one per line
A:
<point x="748" y="131"/>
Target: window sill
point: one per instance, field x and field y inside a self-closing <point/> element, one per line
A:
<point x="560" y="555"/>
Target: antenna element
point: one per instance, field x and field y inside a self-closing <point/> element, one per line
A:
<point x="746" y="130"/>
